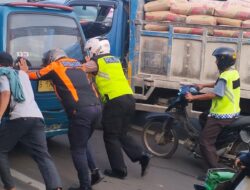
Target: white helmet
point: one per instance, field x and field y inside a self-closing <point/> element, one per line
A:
<point x="97" y="46"/>
<point x="53" y="55"/>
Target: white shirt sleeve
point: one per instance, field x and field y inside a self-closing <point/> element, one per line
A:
<point x="4" y="84"/>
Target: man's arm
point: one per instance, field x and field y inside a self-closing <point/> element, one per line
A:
<point x="36" y="74"/>
<point x="207" y="96"/>
<point x="219" y="91"/>
<point x="90" y="66"/>
<point x="4" y="101"/>
<point x="208" y="85"/>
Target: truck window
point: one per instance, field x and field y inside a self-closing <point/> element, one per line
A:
<point x="95" y="20"/>
<point x="31" y="36"/>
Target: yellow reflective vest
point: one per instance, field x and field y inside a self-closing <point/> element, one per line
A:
<point x="228" y="106"/>
<point x="110" y="79"/>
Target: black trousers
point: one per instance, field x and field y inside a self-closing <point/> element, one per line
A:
<point x="80" y="130"/>
<point x="117" y="114"/>
<point x="208" y="137"/>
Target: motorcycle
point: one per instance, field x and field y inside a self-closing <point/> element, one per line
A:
<point x="160" y="135"/>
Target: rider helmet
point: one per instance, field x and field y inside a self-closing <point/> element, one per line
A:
<point x="97" y="46"/>
<point x="225" y="57"/>
<point x="53" y="55"/>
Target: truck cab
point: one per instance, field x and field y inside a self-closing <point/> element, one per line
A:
<point x="103" y="17"/>
<point x="29" y="30"/>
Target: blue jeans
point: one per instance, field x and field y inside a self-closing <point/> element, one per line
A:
<point x="90" y="159"/>
<point x="30" y="133"/>
<point x="80" y="130"/>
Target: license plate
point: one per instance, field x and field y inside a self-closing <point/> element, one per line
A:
<point x="45" y="86"/>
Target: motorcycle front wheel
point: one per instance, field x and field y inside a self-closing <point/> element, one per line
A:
<point x="159" y="141"/>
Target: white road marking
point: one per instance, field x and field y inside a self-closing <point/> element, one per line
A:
<point x="26" y="179"/>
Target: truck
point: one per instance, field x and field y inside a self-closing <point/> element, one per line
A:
<point x="29" y="30"/>
<point x="157" y="62"/>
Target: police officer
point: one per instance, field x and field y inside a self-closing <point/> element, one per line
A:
<point x="225" y="102"/>
<point x="119" y="107"/>
<point x="81" y="103"/>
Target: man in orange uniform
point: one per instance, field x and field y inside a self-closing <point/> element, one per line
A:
<point x="80" y="101"/>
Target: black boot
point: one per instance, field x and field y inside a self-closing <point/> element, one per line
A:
<point x="144" y="161"/>
<point x="96" y="176"/>
<point x="121" y="174"/>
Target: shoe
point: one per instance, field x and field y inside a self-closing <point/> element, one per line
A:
<point x="79" y="188"/>
<point x="116" y="173"/>
<point x="96" y="176"/>
<point x="199" y="187"/>
<point x="144" y="164"/>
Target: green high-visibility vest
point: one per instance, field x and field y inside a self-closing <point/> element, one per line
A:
<point x="110" y="79"/>
<point x="229" y="104"/>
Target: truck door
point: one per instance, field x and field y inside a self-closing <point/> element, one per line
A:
<point x="107" y="18"/>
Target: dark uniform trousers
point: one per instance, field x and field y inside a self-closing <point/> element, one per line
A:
<point x="81" y="127"/>
<point x="117" y="114"/>
<point x="208" y="137"/>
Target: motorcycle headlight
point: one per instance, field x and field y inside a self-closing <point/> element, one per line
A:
<point x="245" y="136"/>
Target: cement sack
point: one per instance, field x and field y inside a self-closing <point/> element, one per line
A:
<point x="164" y="16"/>
<point x="184" y="30"/>
<point x="246" y="24"/>
<point x="233" y="11"/>
<point x="201" y="19"/>
<point x="246" y="34"/>
<point x="231" y="34"/>
<point x="228" y="22"/>
<point x="226" y="33"/>
<point x="160" y="5"/>
<point x="155" y="27"/>
<point x="217" y="3"/>
<point x="192" y="9"/>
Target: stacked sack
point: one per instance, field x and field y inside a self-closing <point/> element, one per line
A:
<point x="159" y="10"/>
<point x="234" y="13"/>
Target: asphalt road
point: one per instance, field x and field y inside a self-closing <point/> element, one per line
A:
<point x="177" y="173"/>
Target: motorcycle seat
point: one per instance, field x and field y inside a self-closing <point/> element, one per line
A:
<point x="241" y="122"/>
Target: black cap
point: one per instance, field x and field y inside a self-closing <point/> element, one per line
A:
<point x="6" y="59"/>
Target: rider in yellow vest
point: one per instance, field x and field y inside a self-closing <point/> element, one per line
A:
<point x="119" y="107"/>
<point x="225" y="103"/>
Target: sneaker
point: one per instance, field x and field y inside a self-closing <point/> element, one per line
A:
<point x="96" y="176"/>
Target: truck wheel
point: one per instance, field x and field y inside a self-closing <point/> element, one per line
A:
<point x="159" y="142"/>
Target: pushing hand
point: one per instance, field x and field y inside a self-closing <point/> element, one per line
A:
<point x="23" y="65"/>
